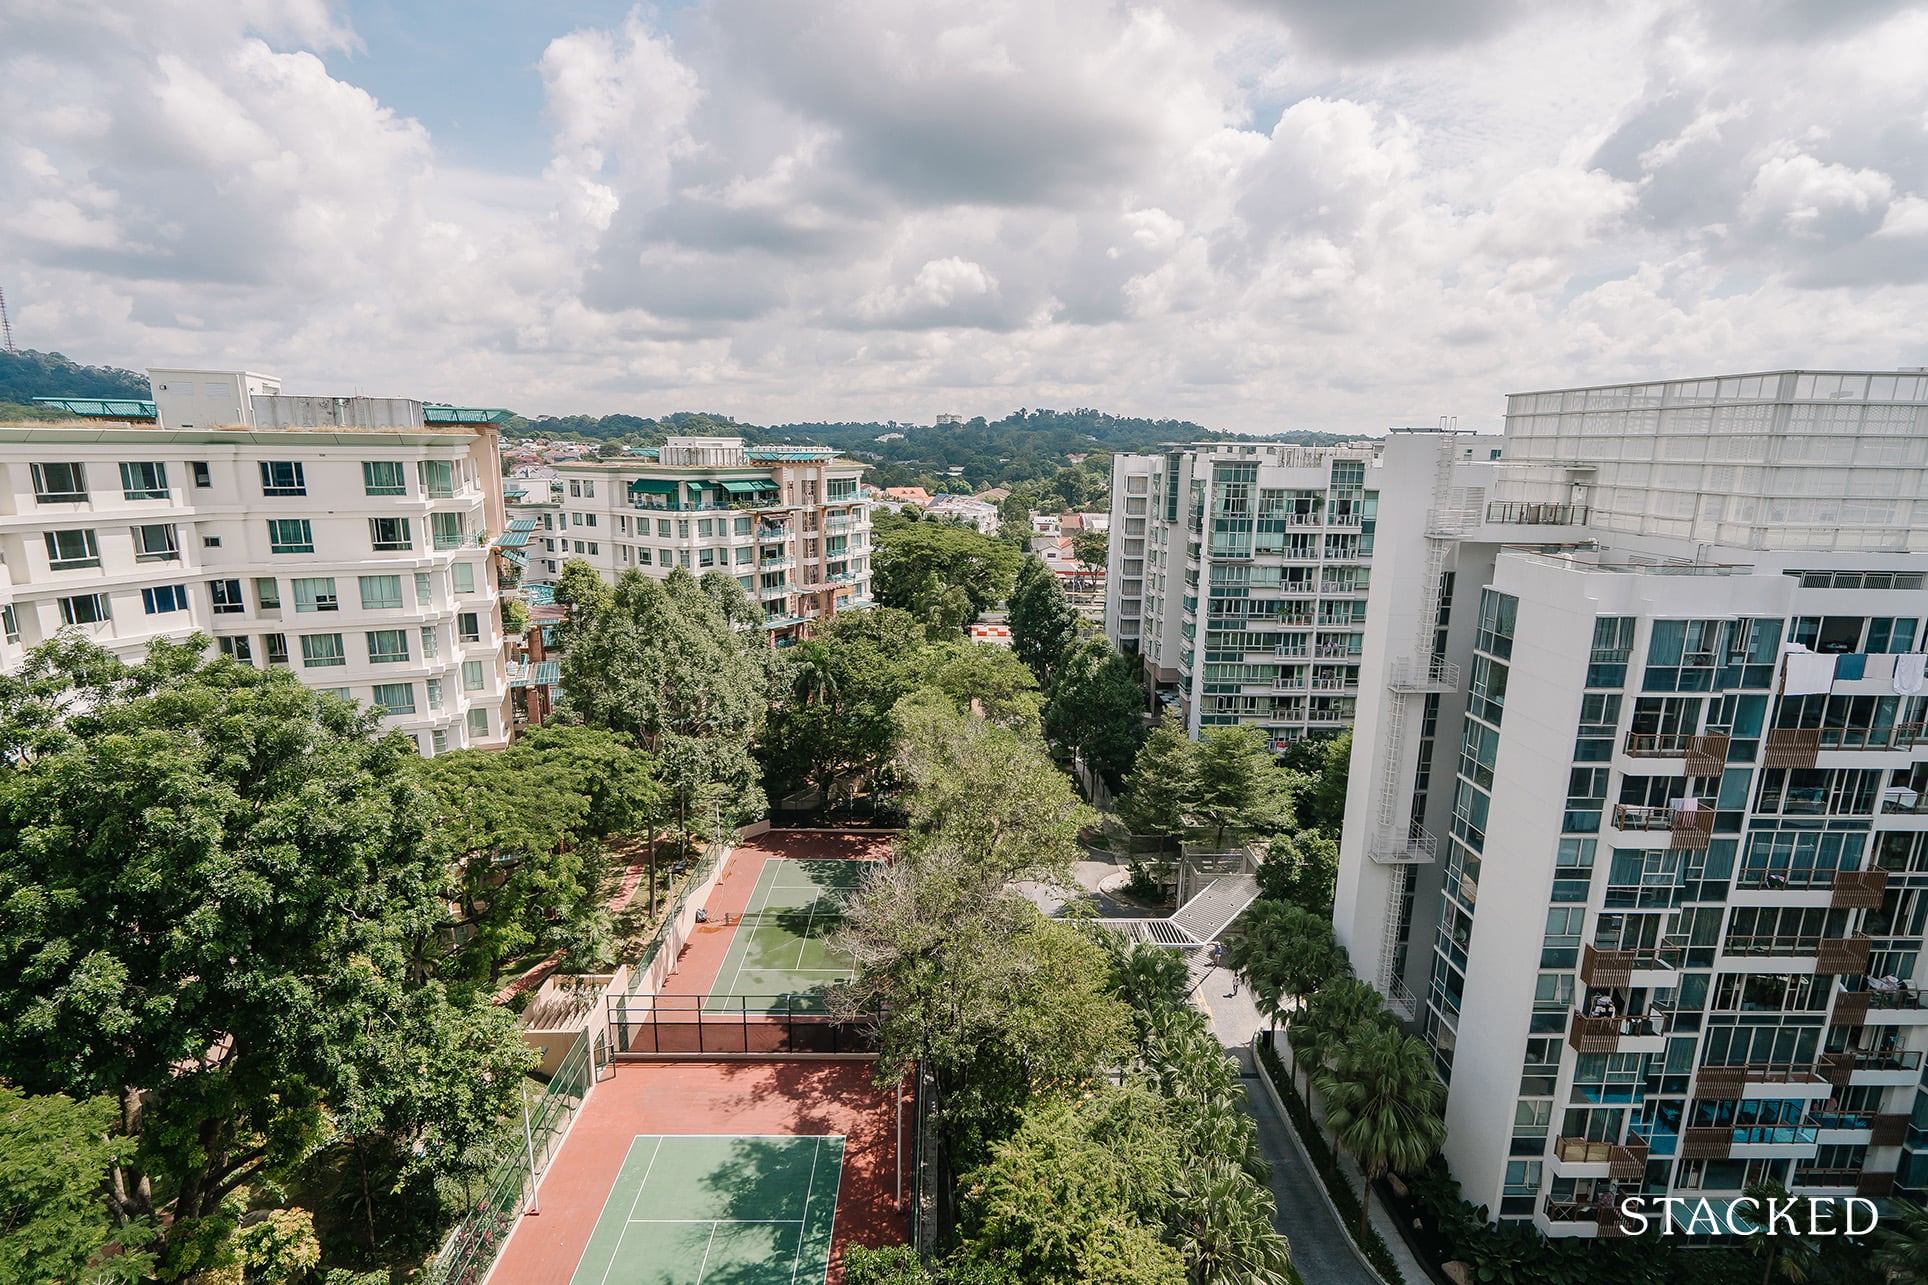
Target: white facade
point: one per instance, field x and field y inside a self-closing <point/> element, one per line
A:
<point x="354" y="557"/>
<point x="787" y="523"/>
<point x="1638" y="841"/>
<point x="1275" y="580"/>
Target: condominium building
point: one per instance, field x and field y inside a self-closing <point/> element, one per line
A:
<point x="1636" y="832"/>
<point x="1238" y="573"/>
<point x="343" y="538"/>
<point x="786" y="522"/>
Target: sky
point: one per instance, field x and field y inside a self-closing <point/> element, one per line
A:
<point x="1259" y="215"/>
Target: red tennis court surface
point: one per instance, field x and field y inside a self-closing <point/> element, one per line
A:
<point x="702" y="959"/>
<point x="734" y="1097"/>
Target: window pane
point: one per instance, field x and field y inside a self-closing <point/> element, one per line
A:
<point x="282" y="477"/>
<point x="72" y="549"/>
<point x="464" y="573"/>
<point x="387" y="646"/>
<point x="395" y="698"/>
<point x="471" y="675"/>
<point x="381" y="593"/>
<point x="389" y="533"/>
<point x="155" y="543"/>
<point x="290" y="535"/>
<point x="317" y="594"/>
<point x="384" y="477"/>
<point x="59" y="483"/>
<point x="322" y="649"/>
<point x="146" y="481"/>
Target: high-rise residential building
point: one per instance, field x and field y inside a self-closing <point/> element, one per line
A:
<point x="1637" y="830"/>
<point x="786" y="522"/>
<point x="343" y="538"/>
<point x="1238" y="573"/>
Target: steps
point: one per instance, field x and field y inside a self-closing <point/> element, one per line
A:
<point x="1212" y="911"/>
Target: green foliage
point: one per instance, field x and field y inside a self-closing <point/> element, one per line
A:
<point x="833" y="696"/>
<point x="1044" y="628"/>
<point x="890" y="1265"/>
<point x="663" y="663"/>
<point x="1097" y="709"/>
<point x="937" y="569"/>
<point x="1383" y="1102"/>
<point x="1302" y="868"/>
<point x="515" y="616"/>
<point x="1341" y="1007"/>
<point x="54" y="1155"/>
<point x="216" y="886"/>
<point x="1234" y="788"/>
<point x="1324" y="760"/>
<point x="1157" y="792"/>
<point x="27" y="375"/>
<point x="1901" y="1248"/>
<point x="583" y="594"/>
<point x="1283" y="950"/>
<point x="986" y="679"/>
<point x="1090" y="547"/>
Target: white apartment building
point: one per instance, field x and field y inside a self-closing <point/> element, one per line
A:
<point x="1238" y="572"/>
<point x="1636" y="831"/>
<point x="343" y="538"/>
<point x="786" y="521"/>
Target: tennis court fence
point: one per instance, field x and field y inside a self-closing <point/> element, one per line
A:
<point x="743" y="1025"/>
<point x="470" y="1250"/>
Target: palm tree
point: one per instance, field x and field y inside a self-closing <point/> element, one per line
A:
<point x="1794" y="1258"/>
<point x="1148" y="978"/>
<point x="1223" y="1225"/>
<point x="1340" y="1008"/>
<point x="1383" y="1103"/>
<point x="1284" y="950"/>
<point x="813" y="679"/>
<point x="1901" y="1250"/>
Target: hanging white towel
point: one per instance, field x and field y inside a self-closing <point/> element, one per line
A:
<point x="1808" y="674"/>
<point x="1908" y="672"/>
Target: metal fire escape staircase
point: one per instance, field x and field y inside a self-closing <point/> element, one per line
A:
<point x="1399" y="840"/>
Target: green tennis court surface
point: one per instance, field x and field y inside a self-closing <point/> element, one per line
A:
<point x="730" y="1211"/>
<point x="779" y="956"/>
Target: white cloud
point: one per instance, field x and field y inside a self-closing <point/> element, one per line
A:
<point x="1256" y="213"/>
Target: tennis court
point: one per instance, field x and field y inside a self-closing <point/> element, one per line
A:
<point x="780" y="955"/>
<point x="728" y="1210"/>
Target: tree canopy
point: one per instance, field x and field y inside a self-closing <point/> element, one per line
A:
<point x="916" y="566"/>
<point x="1044" y="628"/>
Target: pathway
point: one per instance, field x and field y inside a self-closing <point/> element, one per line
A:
<point x="1321" y="1249"/>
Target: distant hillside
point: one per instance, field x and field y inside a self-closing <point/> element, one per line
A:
<point x="27" y="375"/>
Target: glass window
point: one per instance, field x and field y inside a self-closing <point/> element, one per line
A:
<point x="438" y="478"/>
<point x="267" y="593"/>
<point x="162" y="599"/>
<point x="472" y="676"/>
<point x="59" y="483"/>
<point x="431" y="642"/>
<point x="434" y="694"/>
<point x="478" y="722"/>
<point x="469" y="625"/>
<point x="395" y="698"/>
<point x="202" y="478"/>
<point x="155" y="543"/>
<point x="381" y="593"/>
<point x="276" y="646"/>
<point x="237" y="648"/>
<point x="383" y="477"/>
<point x="9" y="622"/>
<point x="387" y="646"/>
<point x="290" y="535"/>
<point x="144" y="481"/>
<point x="84" y="609"/>
<point x="282" y="477"/>
<point x="440" y="739"/>
<point x="388" y="534"/>
<point x="67" y="549"/>
<point x="422" y="592"/>
<point x="316" y="594"/>
<point x="227" y="597"/>
<point x="464" y="575"/>
<point x="321" y="650"/>
<point x="446" y="528"/>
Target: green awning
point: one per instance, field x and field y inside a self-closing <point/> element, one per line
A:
<point x="750" y="488"/>
<point x="652" y="486"/>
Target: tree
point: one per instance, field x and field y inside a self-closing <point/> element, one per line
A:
<point x="1901" y="1248"/>
<point x="832" y="718"/>
<point x="1159" y="788"/>
<point x="1235" y="787"/>
<point x="1225" y="1229"/>
<point x="889" y="1265"/>
<point x="1792" y="1256"/>
<point x="54" y="1155"/>
<point x="1014" y="515"/>
<point x="1383" y="1105"/>
<point x="1338" y="1008"/>
<point x="1325" y="761"/>
<point x="914" y="564"/>
<point x="211" y="886"/>
<point x="1044" y="628"/>
<point x="1282" y="951"/>
<point x="1090" y="547"/>
<point x="664" y="663"/>
<point x="583" y="594"/>
<point x="985" y="679"/>
<point x="1302" y="869"/>
<point x="1097" y="709"/>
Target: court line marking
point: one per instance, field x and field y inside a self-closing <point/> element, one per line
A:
<point x="706" y="1255"/>
<point x="601" y="1214"/>
<point x="738" y="976"/>
<point x="796" y="1260"/>
<point x="779" y="1222"/>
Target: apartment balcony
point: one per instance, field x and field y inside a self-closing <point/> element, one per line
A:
<point x="773" y="591"/>
<point x="1761" y="1080"/>
<point x="1888" y="1130"/>
<point x="1419" y="848"/>
<point x="1867" y="1001"/>
<point x="783" y="563"/>
<point x="1601" y="1218"/>
<point x="1858" y="889"/>
<point x="1688" y="829"/>
<point x="1791" y="747"/>
<point x="773" y="534"/>
<point x="1335" y="685"/>
<point x="1843" y="956"/>
<point x="1639" y="1033"/>
<point x="1435" y="675"/>
<point x="1581" y="1158"/>
<point x="839" y="522"/>
<point x="1706" y="1142"/>
<point x="1704" y="755"/>
<point x="1606" y="969"/>
<point x="1519" y="513"/>
<point x="1893" y="1068"/>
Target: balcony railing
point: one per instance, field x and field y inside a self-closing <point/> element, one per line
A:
<point x="772" y="534"/>
<point x="1519" y="513"/>
<point x="1839" y="1068"/>
<point x="1690" y="828"/>
<point x="1706" y="755"/>
<point x="1434" y="675"/>
<point x="1902" y="736"/>
<point x="1839" y="955"/>
<point x="1791" y="747"/>
<point x="1611" y="969"/>
<point x="1858" y="889"/>
<point x="1899" y="996"/>
<point x="1807" y="1177"/>
<point x="1605" y="1213"/>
